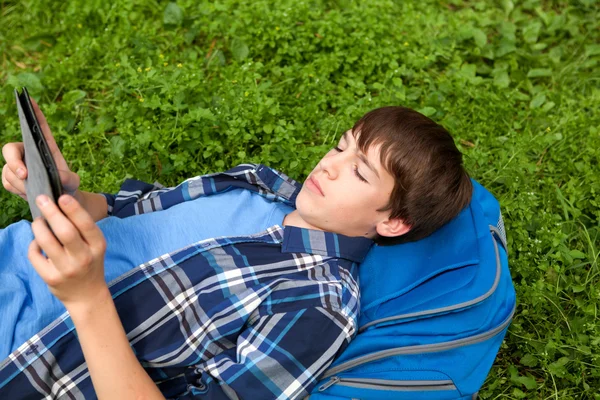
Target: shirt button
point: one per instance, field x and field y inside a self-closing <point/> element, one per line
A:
<point x="31" y="350"/>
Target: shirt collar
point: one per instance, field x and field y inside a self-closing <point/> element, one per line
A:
<point x="278" y="183"/>
<point x="312" y="241"/>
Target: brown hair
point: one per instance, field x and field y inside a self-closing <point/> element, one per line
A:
<point x="431" y="185"/>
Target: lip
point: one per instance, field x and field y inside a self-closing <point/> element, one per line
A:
<point x="313" y="185"/>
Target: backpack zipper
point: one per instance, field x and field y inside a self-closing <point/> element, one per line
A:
<point x="384" y="384"/>
<point x="332" y="381"/>
<point x="422" y="348"/>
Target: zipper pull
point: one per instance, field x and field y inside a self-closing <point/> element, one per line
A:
<point x="328" y="384"/>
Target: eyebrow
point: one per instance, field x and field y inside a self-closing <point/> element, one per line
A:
<point x="363" y="157"/>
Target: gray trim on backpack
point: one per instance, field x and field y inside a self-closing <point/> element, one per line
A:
<point x="500" y="237"/>
<point x="422" y="348"/>
<point x="430" y="382"/>
<point x="465" y="304"/>
<point x="397" y="386"/>
<point x="501" y="228"/>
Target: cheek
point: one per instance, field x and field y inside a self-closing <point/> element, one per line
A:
<point x="350" y="205"/>
<point x="363" y="205"/>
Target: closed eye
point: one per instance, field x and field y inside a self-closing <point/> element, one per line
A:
<point x="358" y="175"/>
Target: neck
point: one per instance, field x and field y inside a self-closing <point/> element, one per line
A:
<point x="294" y="219"/>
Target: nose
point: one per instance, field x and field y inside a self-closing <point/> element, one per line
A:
<point x="332" y="163"/>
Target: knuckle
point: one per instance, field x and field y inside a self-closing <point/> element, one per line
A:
<point x="12" y="151"/>
<point x="32" y="249"/>
<point x="51" y="212"/>
<point x="11" y="188"/>
<point x="42" y="239"/>
<point x="14" y="183"/>
<point x="5" y="183"/>
<point x="100" y="248"/>
<point x="5" y="172"/>
<point x="87" y="225"/>
<point x="37" y="228"/>
<point x="6" y="149"/>
<point x="66" y="235"/>
<point x="71" y="273"/>
<point x="86" y="259"/>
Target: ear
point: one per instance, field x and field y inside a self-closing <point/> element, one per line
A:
<point x="392" y="227"/>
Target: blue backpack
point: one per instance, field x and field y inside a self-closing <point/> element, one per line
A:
<point x="433" y="313"/>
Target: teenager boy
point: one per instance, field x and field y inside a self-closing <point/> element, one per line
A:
<point x="257" y="314"/>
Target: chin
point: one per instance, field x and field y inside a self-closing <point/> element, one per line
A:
<point x="303" y="202"/>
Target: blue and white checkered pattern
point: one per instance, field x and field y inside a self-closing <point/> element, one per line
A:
<point x="258" y="317"/>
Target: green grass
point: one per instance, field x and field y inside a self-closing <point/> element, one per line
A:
<point x="161" y="91"/>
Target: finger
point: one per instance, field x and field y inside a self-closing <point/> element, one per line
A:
<point x="54" y="150"/>
<point x="82" y="220"/>
<point x="47" y="241"/>
<point x="69" y="180"/>
<point x="14" y="153"/>
<point x="13" y="190"/>
<point x="11" y="182"/>
<point x="5" y="182"/>
<point x="66" y="232"/>
<point x="45" y="269"/>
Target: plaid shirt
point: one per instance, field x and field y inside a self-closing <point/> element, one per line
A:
<point x="257" y="317"/>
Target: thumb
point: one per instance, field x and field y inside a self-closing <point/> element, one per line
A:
<point x="69" y="180"/>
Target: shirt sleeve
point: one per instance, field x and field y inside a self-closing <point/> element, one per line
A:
<point x="137" y="197"/>
<point x="281" y="356"/>
<point x="132" y="192"/>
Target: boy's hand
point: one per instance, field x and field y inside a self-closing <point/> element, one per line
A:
<point x="15" y="171"/>
<point x="74" y="266"/>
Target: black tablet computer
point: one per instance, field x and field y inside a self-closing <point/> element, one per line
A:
<point x="42" y="174"/>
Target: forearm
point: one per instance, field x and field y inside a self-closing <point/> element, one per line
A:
<point x="94" y="203"/>
<point x="114" y="369"/>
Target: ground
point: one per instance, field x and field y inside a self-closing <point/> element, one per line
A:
<point x="164" y="91"/>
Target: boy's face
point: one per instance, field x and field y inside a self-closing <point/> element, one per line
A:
<point x="344" y="191"/>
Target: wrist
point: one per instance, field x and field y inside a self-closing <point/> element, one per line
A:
<point x="93" y="304"/>
<point x="94" y="203"/>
